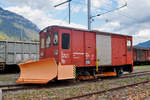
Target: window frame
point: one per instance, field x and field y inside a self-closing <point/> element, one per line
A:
<point x="57" y="40"/>
<point x="42" y="43"/>
<point x="50" y="42"/>
<point x="129" y="44"/>
<point x="65" y="47"/>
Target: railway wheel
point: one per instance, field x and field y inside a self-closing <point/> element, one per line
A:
<point x="119" y="71"/>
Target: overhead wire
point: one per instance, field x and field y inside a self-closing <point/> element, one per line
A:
<point x="125" y="15"/>
<point x="109" y="11"/>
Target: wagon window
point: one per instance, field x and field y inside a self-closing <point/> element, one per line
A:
<point x="42" y="43"/>
<point x="48" y="41"/>
<point x="65" y="41"/>
<point x="55" y="38"/>
<point x="129" y="45"/>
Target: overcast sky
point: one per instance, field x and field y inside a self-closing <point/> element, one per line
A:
<point x="131" y="20"/>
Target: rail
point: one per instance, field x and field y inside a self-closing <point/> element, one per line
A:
<point x="104" y="91"/>
<point x="16" y="87"/>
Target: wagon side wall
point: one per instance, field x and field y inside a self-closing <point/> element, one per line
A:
<point x="16" y="52"/>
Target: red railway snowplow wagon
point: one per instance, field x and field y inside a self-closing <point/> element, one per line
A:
<point x="68" y="53"/>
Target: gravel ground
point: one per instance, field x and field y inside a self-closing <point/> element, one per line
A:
<point x="136" y="93"/>
<point x="139" y="92"/>
<point x="61" y="93"/>
<point x="8" y="79"/>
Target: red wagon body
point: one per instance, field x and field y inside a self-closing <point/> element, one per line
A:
<point x="93" y="53"/>
<point x="113" y="49"/>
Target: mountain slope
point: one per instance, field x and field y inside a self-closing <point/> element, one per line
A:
<point x="144" y="44"/>
<point x="16" y="27"/>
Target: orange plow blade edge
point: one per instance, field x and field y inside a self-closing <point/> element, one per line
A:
<point x="39" y="72"/>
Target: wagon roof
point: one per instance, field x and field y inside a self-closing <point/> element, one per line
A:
<point x="79" y="29"/>
<point x="141" y="48"/>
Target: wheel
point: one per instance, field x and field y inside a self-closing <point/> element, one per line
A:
<point x="119" y="71"/>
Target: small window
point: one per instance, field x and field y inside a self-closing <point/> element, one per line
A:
<point x="55" y="38"/>
<point x="65" y="41"/>
<point x="129" y="45"/>
<point x="48" y="41"/>
<point x="45" y="30"/>
<point x="42" y="43"/>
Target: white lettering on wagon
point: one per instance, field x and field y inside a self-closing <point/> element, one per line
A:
<point x="64" y="55"/>
<point x="63" y="61"/>
<point x="78" y="53"/>
<point x="87" y="55"/>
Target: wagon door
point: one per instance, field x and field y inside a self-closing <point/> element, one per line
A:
<point x="78" y="48"/>
<point x="66" y="47"/>
<point x="90" y="49"/>
<point x="103" y="45"/>
<point x="119" y="54"/>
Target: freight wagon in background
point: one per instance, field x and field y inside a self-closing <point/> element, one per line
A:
<point x="141" y="55"/>
<point x="14" y="52"/>
<point x="91" y="53"/>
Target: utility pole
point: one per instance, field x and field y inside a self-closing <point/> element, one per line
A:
<point x="69" y="11"/>
<point x="89" y="14"/>
<point x="68" y="1"/>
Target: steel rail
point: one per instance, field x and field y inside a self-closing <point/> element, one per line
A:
<point x="135" y="74"/>
<point x="10" y="85"/>
<point x="109" y="90"/>
<point x="15" y="87"/>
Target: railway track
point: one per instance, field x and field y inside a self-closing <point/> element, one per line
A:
<point x="135" y="74"/>
<point x="15" y="87"/>
<point x="109" y="90"/>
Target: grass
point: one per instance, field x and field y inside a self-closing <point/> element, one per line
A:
<point x="8" y="79"/>
<point x="136" y="79"/>
<point x="30" y="33"/>
<point x="143" y="67"/>
<point x="3" y="36"/>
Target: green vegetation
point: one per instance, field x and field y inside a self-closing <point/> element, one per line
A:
<point x="35" y="40"/>
<point x="143" y="67"/>
<point x="29" y="33"/>
<point x="134" y="80"/>
<point x="12" y="28"/>
<point x="8" y="79"/>
<point x="3" y="36"/>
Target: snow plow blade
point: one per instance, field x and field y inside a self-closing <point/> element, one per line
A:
<point x="38" y="72"/>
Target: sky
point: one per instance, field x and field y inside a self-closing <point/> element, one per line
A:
<point x="134" y="19"/>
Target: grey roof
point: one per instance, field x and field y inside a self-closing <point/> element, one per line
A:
<point x="79" y="29"/>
